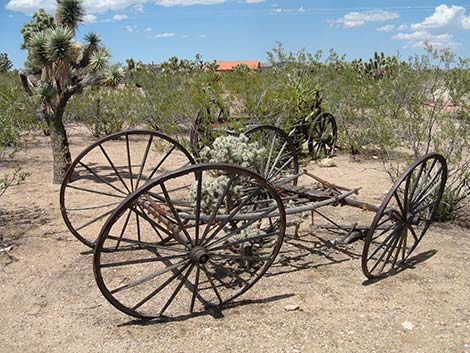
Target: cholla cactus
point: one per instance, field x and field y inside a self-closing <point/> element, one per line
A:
<point x="233" y="149"/>
<point x="211" y="190"/>
<point x="226" y="149"/>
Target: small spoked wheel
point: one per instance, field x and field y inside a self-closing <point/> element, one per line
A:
<point x="181" y="251"/>
<point x="106" y="172"/>
<point x="322" y="136"/>
<point x="280" y="156"/>
<point x="404" y="216"/>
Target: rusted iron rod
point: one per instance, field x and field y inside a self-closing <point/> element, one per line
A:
<point x="258" y="214"/>
<point x="326" y="183"/>
<point x="360" y="204"/>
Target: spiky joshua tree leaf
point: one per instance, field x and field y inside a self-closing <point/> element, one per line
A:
<point x="59" y="42"/>
<point x="69" y="13"/>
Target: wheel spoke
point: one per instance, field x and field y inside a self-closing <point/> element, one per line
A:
<point x="93" y="191"/>
<point x="217" y="207"/>
<point x="198" y="207"/>
<point x="154" y="224"/>
<point x="175" y="213"/>
<point x="233" y="213"/>
<point x="93" y="207"/>
<point x="140" y="261"/>
<point x="94" y="220"/>
<point x="175" y="292"/>
<point x="272" y="176"/>
<point x="276" y="160"/>
<point x="390" y="252"/>
<point x="159" y="289"/>
<point x="124" y="228"/>
<point x="129" y="164"/>
<point x="214" y="288"/>
<point x="144" y="244"/>
<point x="100" y="178"/>
<point x="113" y="167"/>
<point x="195" y="289"/>
<point x="149" y="277"/>
<point x="400" y="206"/>
<point x="161" y="162"/>
<point x="394" y="240"/>
<point x="144" y="160"/>
<point x="273" y="141"/>
<point x="390" y="236"/>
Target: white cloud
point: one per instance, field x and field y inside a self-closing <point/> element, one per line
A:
<point x="357" y="19"/>
<point x="253" y="1"/>
<point x="169" y="3"/>
<point x="301" y="9"/>
<point x="148" y="29"/>
<point x="165" y="35"/>
<point x="386" y="28"/>
<point x="130" y="29"/>
<point x="139" y="7"/>
<point x="444" y="18"/>
<point x="94" y="6"/>
<point x="91" y="6"/>
<point x="402" y="27"/>
<point x="436" y="29"/>
<point x="30" y="6"/>
<point x="119" y="17"/>
<point x="89" y="19"/>
<point x="417" y="39"/>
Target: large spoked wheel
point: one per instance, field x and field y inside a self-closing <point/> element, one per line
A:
<point x="169" y="252"/>
<point x="280" y="157"/>
<point x="322" y="136"/>
<point x="404" y="216"/>
<point x="102" y="176"/>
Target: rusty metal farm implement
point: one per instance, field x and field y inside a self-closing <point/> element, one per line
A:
<point x="163" y="247"/>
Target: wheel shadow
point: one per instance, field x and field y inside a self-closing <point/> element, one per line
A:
<point x="214" y="312"/>
<point x="311" y="251"/>
<point x="410" y="263"/>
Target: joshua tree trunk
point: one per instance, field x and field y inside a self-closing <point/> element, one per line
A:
<point x="59" y="143"/>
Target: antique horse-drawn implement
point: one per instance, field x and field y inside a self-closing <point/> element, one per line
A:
<point x="176" y="237"/>
<point x="318" y="129"/>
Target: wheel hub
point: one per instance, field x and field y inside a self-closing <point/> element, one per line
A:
<point x="412" y="219"/>
<point x="199" y="255"/>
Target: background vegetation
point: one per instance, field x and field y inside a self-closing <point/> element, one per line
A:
<point x="391" y="107"/>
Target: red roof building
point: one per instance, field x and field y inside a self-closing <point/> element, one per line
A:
<point x="230" y="65"/>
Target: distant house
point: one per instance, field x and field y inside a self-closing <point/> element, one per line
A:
<point x="230" y="65"/>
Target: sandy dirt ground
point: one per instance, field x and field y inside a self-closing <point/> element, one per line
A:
<point x="50" y="302"/>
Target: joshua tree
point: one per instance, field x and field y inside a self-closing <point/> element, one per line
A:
<point x="57" y="67"/>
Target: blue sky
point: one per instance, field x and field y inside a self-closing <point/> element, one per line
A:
<point x="153" y="31"/>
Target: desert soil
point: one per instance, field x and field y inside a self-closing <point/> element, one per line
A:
<point x="50" y="302"/>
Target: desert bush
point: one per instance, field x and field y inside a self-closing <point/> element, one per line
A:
<point x="432" y="86"/>
<point x="16" y="117"/>
<point x="106" y="111"/>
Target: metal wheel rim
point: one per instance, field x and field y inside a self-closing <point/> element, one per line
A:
<point x="318" y="128"/>
<point x="404" y="229"/>
<point x="196" y="169"/>
<point x="85" y="152"/>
